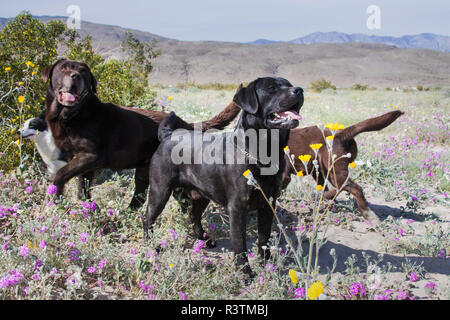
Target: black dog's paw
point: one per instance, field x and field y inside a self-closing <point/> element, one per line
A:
<point x="210" y="244"/>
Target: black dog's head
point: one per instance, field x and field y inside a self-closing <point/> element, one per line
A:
<point x="271" y="103"/>
<point x="70" y="81"/>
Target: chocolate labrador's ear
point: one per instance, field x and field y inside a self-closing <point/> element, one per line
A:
<point x="48" y="71"/>
<point x="93" y="82"/>
<point x="246" y="98"/>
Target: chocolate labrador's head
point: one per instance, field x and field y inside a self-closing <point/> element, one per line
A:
<point x="271" y="103"/>
<point x="70" y="81"/>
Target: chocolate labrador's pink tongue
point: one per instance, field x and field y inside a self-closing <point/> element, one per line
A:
<point x="291" y="114"/>
<point x="67" y="97"/>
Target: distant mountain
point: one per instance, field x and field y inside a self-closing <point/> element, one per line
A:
<point x="344" y="64"/>
<point x="263" y="41"/>
<point x="419" y="41"/>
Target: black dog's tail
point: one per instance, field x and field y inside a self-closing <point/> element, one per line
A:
<point x="170" y="123"/>
<point x="372" y="124"/>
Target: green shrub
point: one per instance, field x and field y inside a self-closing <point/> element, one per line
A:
<point x="27" y="46"/>
<point x="321" y="84"/>
<point x="358" y="86"/>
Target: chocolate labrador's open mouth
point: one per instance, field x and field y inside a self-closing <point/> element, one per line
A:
<point x="67" y="98"/>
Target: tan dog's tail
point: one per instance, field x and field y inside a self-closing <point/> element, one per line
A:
<point x="224" y="118"/>
<point x="372" y="124"/>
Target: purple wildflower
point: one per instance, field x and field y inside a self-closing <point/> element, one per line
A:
<point x="198" y="247"/>
<point x="413" y="277"/>
<point x="52" y="189"/>
<point x="29" y="189"/>
<point x="357" y="288"/>
<point x="182" y="295"/>
<point x="299" y="293"/>
<point x="24" y="250"/>
<point x="84" y="236"/>
<point x="92" y="270"/>
<point x="43" y="244"/>
<point x="102" y="263"/>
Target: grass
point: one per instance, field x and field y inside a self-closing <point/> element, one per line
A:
<point x="68" y="249"/>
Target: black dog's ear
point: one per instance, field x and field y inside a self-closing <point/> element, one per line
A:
<point x="246" y="98"/>
<point x="48" y="71"/>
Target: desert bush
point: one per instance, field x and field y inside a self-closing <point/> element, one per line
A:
<point x="321" y="84"/>
<point x="211" y="86"/>
<point x="358" y="86"/>
<point x="27" y="46"/>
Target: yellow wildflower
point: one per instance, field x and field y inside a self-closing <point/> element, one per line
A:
<point x="20" y="83"/>
<point x="305" y="157"/>
<point x="330" y="137"/>
<point x="352" y="165"/>
<point x="316" y="146"/>
<point x="7" y="69"/>
<point x="293" y="276"/>
<point x="29" y="64"/>
<point x="21" y="99"/>
<point x="171" y="265"/>
<point x="319" y="187"/>
<point x="170" y="98"/>
<point x="300" y="173"/>
<point x="246" y="173"/>
<point x="18" y="143"/>
<point x="315" y="290"/>
<point x="286" y="148"/>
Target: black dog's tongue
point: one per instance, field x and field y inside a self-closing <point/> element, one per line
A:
<point x="290" y="113"/>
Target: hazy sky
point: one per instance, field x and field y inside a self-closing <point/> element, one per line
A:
<point x="247" y="20"/>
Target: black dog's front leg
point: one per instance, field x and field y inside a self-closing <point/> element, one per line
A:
<point x="141" y="180"/>
<point x="265" y="218"/>
<point x="80" y="164"/>
<point x="238" y="235"/>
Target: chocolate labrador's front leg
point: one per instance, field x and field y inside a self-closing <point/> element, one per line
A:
<point x="80" y="164"/>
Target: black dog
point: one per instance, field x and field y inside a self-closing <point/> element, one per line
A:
<point x="268" y="104"/>
<point x="91" y="134"/>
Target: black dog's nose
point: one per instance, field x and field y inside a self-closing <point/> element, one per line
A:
<point x="297" y="90"/>
<point x="74" y="75"/>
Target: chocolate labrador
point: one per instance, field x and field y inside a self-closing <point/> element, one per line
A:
<point x="92" y="134"/>
<point x="343" y="143"/>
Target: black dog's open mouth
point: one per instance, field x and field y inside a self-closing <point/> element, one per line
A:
<point x="285" y="115"/>
<point x="287" y="119"/>
<point x="67" y="98"/>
